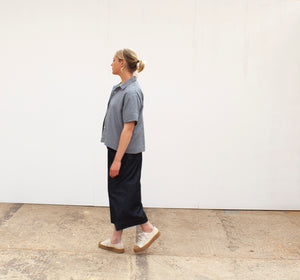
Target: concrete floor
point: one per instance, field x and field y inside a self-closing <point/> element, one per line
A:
<point x="61" y="242"/>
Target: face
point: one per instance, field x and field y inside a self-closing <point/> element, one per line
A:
<point x="116" y="65"/>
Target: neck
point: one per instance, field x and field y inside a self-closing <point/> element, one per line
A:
<point x="125" y="76"/>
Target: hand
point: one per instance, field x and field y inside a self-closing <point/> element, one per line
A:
<point x="114" y="169"/>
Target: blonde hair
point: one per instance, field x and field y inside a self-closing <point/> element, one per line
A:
<point x="132" y="61"/>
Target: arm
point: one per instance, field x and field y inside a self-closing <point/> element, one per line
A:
<point x="123" y="144"/>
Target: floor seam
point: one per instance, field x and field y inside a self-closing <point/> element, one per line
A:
<point x="156" y="255"/>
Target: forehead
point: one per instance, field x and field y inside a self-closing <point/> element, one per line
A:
<point x="115" y="57"/>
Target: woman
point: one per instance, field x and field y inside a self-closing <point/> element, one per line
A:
<point x="123" y="134"/>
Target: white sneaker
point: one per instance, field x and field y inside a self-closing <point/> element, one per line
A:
<point x="145" y="239"/>
<point x="107" y="245"/>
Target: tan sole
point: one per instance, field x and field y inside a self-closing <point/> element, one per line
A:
<point x="116" y="250"/>
<point x="138" y="249"/>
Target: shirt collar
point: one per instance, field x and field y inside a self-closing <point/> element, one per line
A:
<point x="128" y="82"/>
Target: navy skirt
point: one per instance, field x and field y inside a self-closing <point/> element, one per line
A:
<point x="124" y="191"/>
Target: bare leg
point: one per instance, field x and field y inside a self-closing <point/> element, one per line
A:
<point x="117" y="236"/>
<point x="147" y="227"/>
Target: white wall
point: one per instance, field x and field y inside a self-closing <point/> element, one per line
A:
<point x="222" y="100"/>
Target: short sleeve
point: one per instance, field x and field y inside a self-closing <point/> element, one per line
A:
<point x="131" y="108"/>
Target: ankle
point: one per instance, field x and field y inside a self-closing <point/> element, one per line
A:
<point x="115" y="240"/>
<point x="147" y="228"/>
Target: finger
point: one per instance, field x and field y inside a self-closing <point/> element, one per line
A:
<point x="111" y="171"/>
<point x="113" y="174"/>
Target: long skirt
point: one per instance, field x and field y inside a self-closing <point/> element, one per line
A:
<point x="124" y="191"/>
